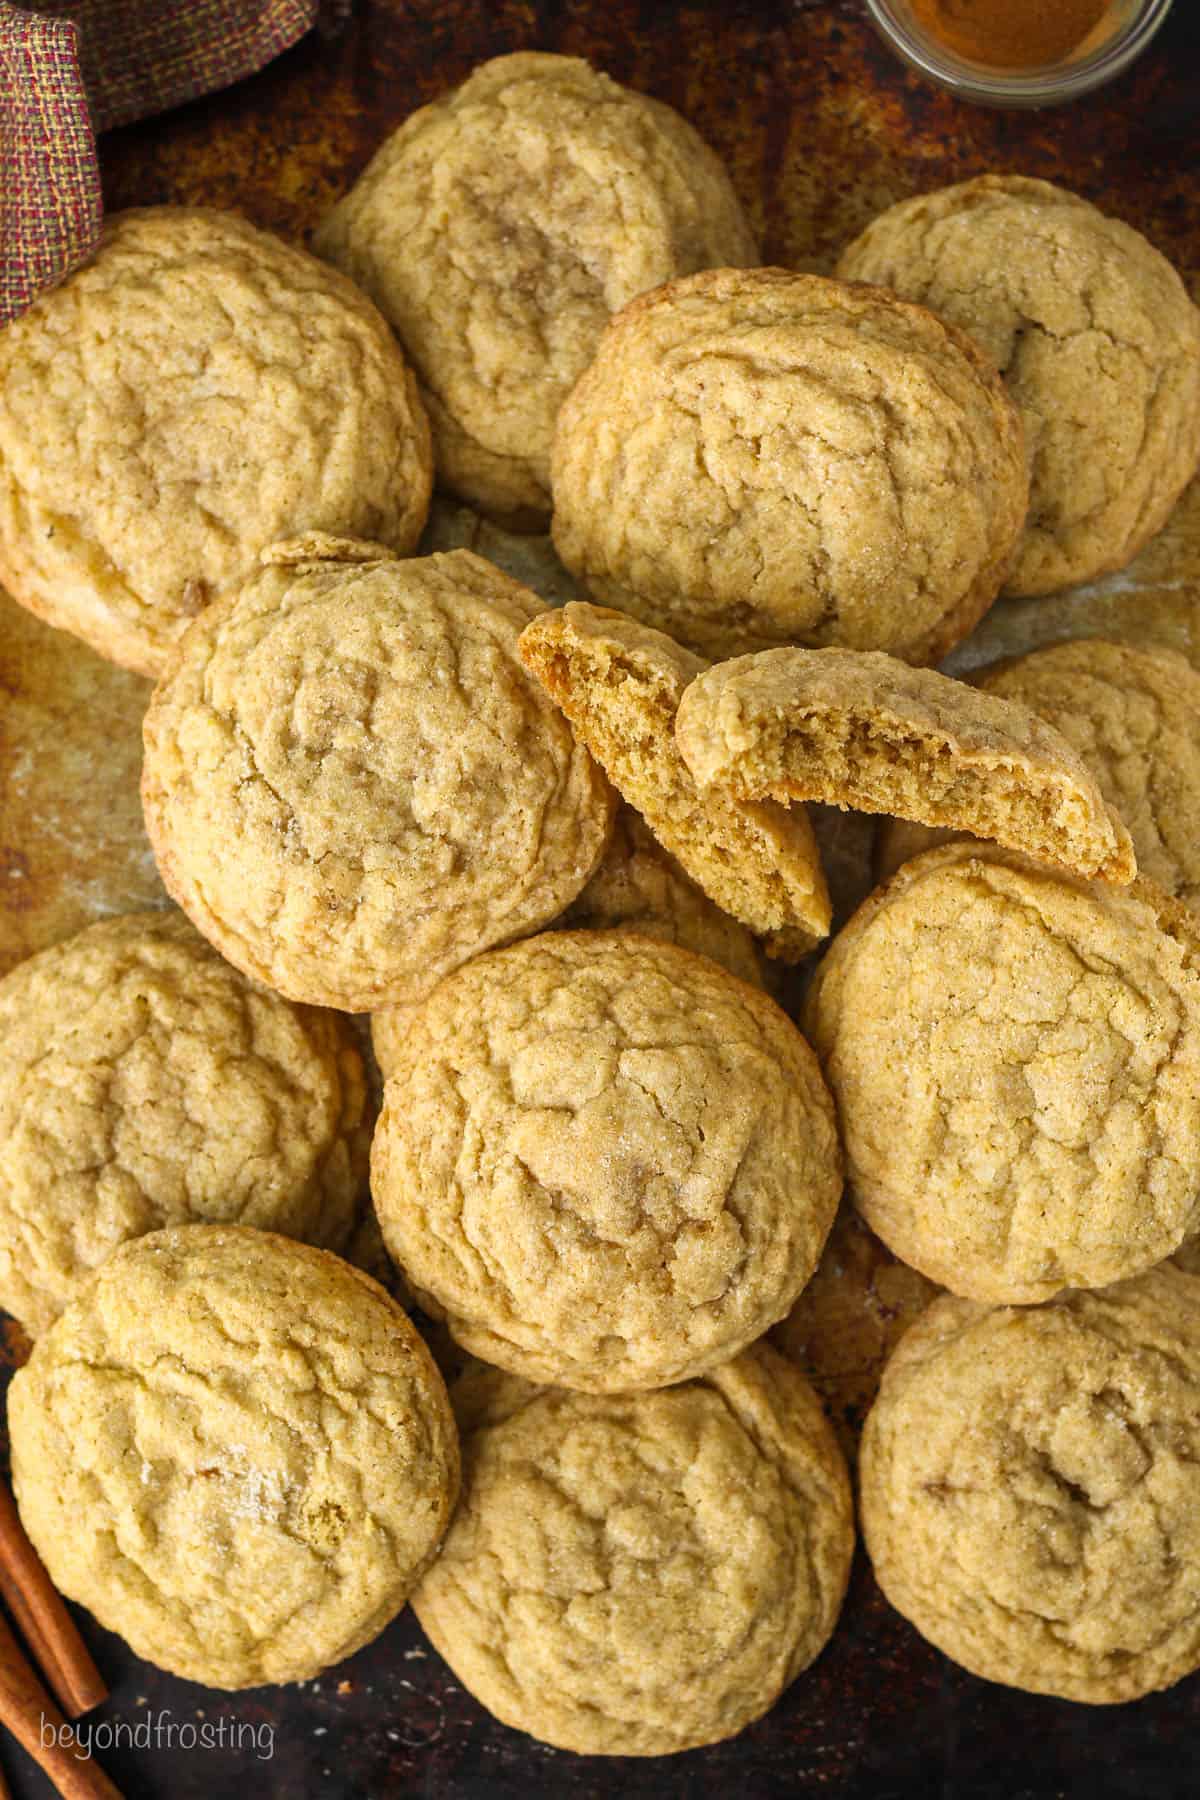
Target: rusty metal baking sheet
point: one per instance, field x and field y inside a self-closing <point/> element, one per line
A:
<point x="822" y="129"/>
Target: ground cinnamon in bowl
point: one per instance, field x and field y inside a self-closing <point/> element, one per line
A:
<point x="1011" y="34"/>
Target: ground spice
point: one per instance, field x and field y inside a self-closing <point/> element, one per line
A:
<point x="1011" y="34"/>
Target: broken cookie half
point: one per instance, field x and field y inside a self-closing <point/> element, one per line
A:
<point x="861" y="730"/>
<point x="1130" y="712"/>
<point x="620" y="684"/>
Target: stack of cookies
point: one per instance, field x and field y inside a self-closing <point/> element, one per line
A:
<point x="643" y="1148"/>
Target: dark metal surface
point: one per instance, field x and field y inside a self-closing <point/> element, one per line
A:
<point x="821" y="128"/>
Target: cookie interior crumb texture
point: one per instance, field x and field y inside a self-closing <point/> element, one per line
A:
<point x="197" y="390"/>
<point x="236" y="1451"/>
<point x="638" y="1574"/>
<point x="499" y="229"/>
<point x="758" y="457"/>
<point x="863" y="730"/>
<point x="1098" y="342"/>
<point x="607" y="1162"/>
<point x="1030" y="1487"/>
<point x="1015" y="1057"/>
<point x="1130" y="713"/>
<point x="620" y="684"/>
<point x="351" y="782"/>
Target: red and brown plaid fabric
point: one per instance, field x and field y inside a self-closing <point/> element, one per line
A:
<point x="70" y="68"/>
<point x="49" y="182"/>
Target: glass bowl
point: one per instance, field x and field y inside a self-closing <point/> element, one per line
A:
<point x="1049" y="85"/>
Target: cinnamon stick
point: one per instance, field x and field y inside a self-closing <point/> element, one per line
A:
<point x="42" y="1618"/>
<point x="32" y="1717"/>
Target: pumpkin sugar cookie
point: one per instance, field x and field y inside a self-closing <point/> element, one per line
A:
<point x="639" y="1574"/>
<point x="1098" y="342"/>
<point x="146" y="1083"/>
<point x="864" y="731"/>
<point x="620" y="684"/>
<point x="758" y="457"/>
<point x="1015" y="1058"/>
<point x="351" y="782"/>
<point x="194" y="392"/>
<point x="1030" y="1488"/>
<point x="499" y="228"/>
<point x="236" y="1452"/>
<point x="605" y="1161"/>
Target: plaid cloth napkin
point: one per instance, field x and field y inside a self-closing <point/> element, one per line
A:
<point x="71" y="68"/>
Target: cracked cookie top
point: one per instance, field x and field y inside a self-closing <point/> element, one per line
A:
<point x="758" y="457"/>
<point x="606" y="1161"/>
<point x="499" y="229"/>
<point x="196" y="391"/>
<point x="146" y="1083"/>
<point x="638" y="1574"/>
<point x="1097" y="340"/>
<point x="236" y="1451"/>
<point x="1015" y="1057"/>
<point x="352" y="784"/>
<point x="1030" y="1487"/>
